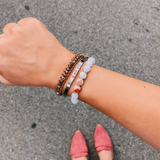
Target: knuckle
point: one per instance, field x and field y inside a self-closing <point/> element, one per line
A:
<point x="29" y="20"/>
<point x="34" y="21"/>
<point x="3" y="42"/>
<point x="15" y="29"/>
<point x="7" y="27"/>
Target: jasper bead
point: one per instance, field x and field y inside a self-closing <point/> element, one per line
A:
<point x="89" y="63"/>
<point x="87" y="68"/>
<point x="83" y="75"/>
<point x="70" y="65"/>
<point x="92" y="60"/>
<point x="79" y="81"/>
<point x="61" y="81"/>
<point x="62" y="78"/>
<point x="74" y="95"/>
<point x="68" y="69"/>
<point x="58" y="86"/>
<point x="77" y="88"/>
<point x="74" y="101"/>
<point x="64" y="75"/>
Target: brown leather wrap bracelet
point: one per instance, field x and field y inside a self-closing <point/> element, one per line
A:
<point x="67" y="72"/>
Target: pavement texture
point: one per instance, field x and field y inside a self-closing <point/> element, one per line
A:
<point x="122" y="35"/>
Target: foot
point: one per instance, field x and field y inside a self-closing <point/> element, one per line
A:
<point x="103" y="143"/>
<point x="80" y="158"/>
<point x="79" y="150"/>
<point x="105" y="155"/>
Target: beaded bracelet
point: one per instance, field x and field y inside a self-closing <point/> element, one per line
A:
<point x="67" y="72"/>
<point x="79" y="82"/>
<point x="74" y="75"/>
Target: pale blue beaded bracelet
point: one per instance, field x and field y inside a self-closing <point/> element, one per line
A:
<point x="79" y="82"/>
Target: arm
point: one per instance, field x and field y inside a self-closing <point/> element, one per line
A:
<point x="132" y="103"/>
<point x="36" y="58"/>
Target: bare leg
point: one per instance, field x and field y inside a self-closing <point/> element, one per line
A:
<point x="105" y="155"/>
<point x="80" y="158"/>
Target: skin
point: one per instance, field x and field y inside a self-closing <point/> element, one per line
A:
<point x="36" y="58"/>
<point x="103" y="155"/>
<point x="34" y="55"/>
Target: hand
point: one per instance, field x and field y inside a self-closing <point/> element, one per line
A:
<point x="30" y="55"/>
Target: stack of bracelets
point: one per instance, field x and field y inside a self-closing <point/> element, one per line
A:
<point x="80" y="59"/>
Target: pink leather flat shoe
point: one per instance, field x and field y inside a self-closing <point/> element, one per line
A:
<point x="102" y="140"/>
<point x="78" y="146"/>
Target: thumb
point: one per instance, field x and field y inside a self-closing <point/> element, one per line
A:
<point x="6" y="82"/>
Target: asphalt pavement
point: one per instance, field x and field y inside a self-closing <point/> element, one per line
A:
<point x="123" y="36"/>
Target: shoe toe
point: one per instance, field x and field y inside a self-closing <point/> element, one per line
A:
<point x="78" y="145"/>
<point x="102" y="139"/>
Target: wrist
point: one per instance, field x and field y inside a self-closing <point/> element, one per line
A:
<point x="71" y="89"/>
<point x="61" y="64"/>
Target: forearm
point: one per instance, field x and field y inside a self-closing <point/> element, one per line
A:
<point x="132" y="103"/>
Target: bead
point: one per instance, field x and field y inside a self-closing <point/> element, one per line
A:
<point x="79" y="56"/>
<point x="61" y="81"/>
<point x="74" y="101"/>
<point x="62" y="78"/>
<point x="70" y="65"/>
<point x="68" y="69"/>
<point x="79" y="81"/>
<point x="74" y="95"/>
<point x="64" y="75"/>
<point x="92" y="60"/>
<point x="89" y="63"/>
<point x="84" y="59"/>
<point x="77" y="88"/>
<point x="83" y="75"/>
<point x="58" y="86"/>
<point x="87" y="68"/>
<point x="73" y="61"/>
<point x="57" y="93"/>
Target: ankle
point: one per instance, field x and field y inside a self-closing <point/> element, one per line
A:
<point x="80" y="158"/>
<point x="103" y="155"/>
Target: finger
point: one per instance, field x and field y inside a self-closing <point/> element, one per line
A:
<point x="6" y="82"/>
<point x="30" y="20"/>
<point x="7" y="28"/>
<point x="2" y="35"/>
<point x="24" y="20"/>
